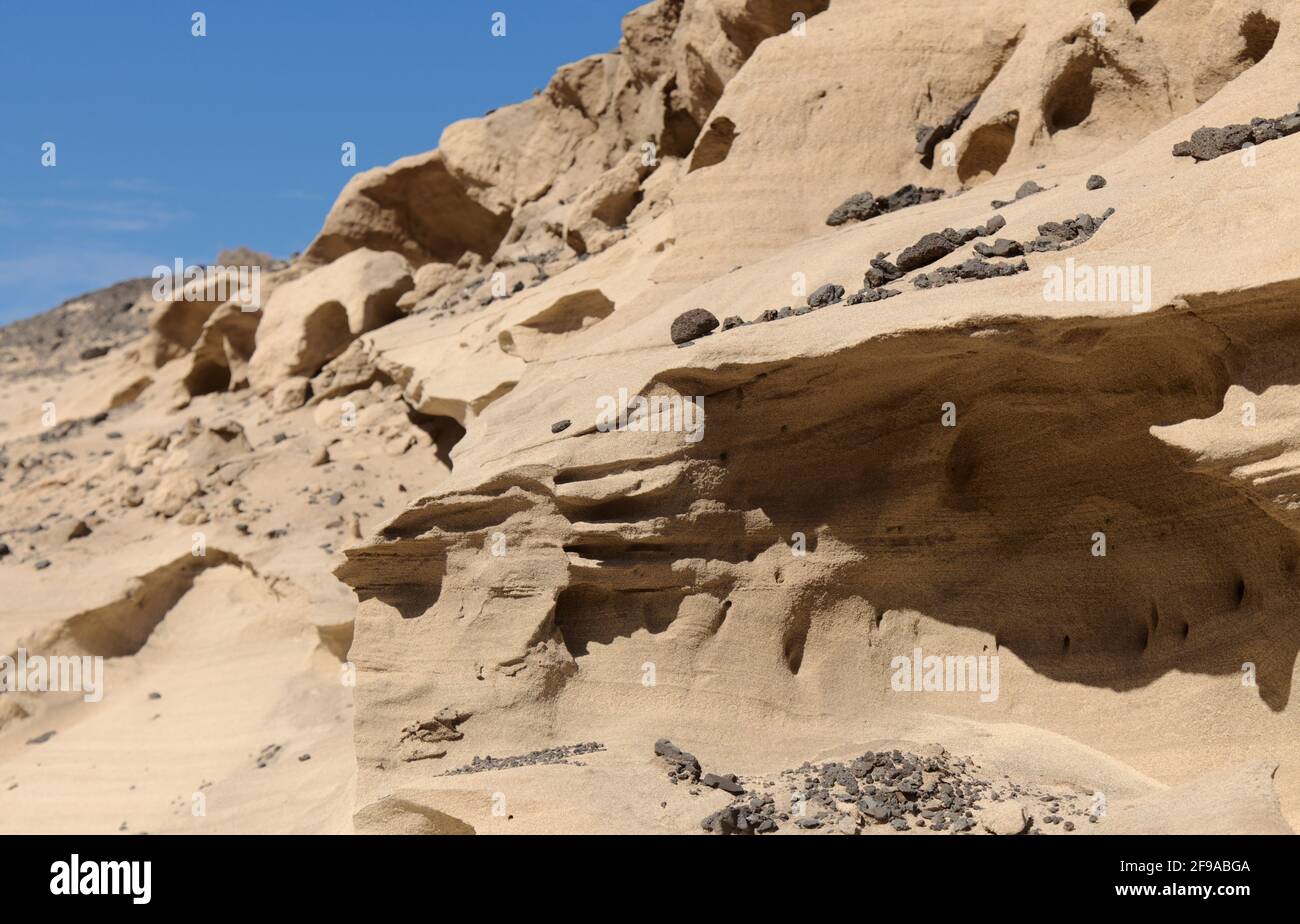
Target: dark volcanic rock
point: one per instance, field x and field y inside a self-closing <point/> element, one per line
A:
<point x="1208" y="143"/>
<point x="927" y="250"/>
<point x="1052" y="236"/>
<point x="929" y="137"/>
<point x="693" y="324"/>
<point x="971" y="269"/>
<point x="864" y="205"/>
<point x="684" y="765"/>
<point x="1000" y="248"/>
<point x="994" y="225"/>
<point x="936" y="246"/>
<point x="732" y="322"/>
<point x="563" y="754"/>
<point x="907" y="196"/>
<point x="881" y="272"/>
<point x="726" y="782"/>
<point x="560" y="426"/>
<point x="854" y="208"/>
<point x="828" y="294"/>
<point x="870" y="295"/>
<point x="1060" y="235"/>
<point x="1027" y="188"/>
<point x="1096" y="181"/>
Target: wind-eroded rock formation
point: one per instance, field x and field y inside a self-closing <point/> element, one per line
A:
<point x="625" y="521"/>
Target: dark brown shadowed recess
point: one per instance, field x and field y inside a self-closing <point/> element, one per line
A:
<point x="988" y="524"/>
<point x="1140" y="8"/>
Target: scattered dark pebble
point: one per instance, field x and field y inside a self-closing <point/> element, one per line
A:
<point x="560" y="426"/>
<point x="1027" y="188"/>
<point x="556" y="755"/>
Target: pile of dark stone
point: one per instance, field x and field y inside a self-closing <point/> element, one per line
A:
<point x="1027" y="188"/>
<point x="1209" y="143"/>
<point x="691" y="325"/>
<point x="864" y="205"/>
<point x="974" y="268"/>
<point x="929" y="137"/>
<point x="557" y="755"/>
<point x="1052" y="236"/>
<point x="894" y="788"/>
<point x="899" y="789"/>
<point x="929" y="249"/>
<point x="755" y="815"/>
<point x="683" y="765"/>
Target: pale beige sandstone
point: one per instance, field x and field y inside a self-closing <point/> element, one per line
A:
<point x="502" y="187"/>
<point x="311" y="320"/>
<point x="1150" y="676"/>
<point x="630" y="549"/>
<point x="1004" y="818"/>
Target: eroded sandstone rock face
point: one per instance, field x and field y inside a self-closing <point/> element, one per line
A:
<point x="607" y="532"/>
<point x="562" y="172"/>
<point x="826" y="518"/>
<point x="311" y="320"/>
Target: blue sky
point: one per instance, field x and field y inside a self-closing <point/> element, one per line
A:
<point x="170" y="145"/>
